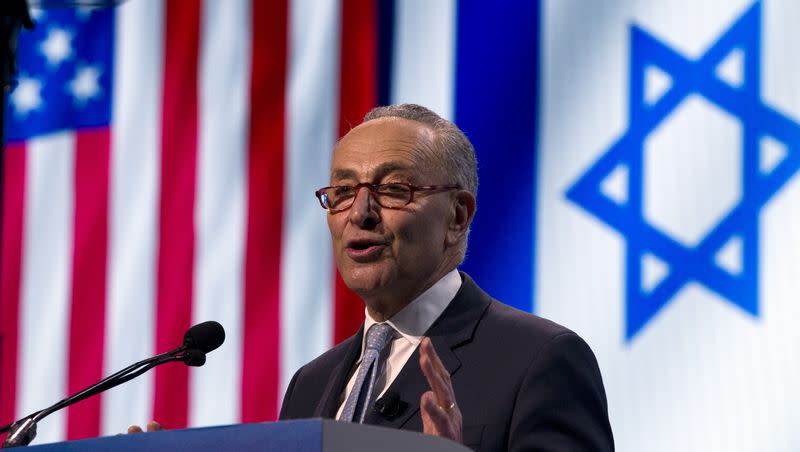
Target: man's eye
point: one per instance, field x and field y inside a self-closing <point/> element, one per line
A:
<point x="393" y="188"/>
<point x="341" y="192"/>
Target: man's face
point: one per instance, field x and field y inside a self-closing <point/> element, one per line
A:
<point x="380" y="251"/>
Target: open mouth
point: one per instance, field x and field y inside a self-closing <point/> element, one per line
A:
<point x="361" y="246"/>
<point x="364" y="250"/>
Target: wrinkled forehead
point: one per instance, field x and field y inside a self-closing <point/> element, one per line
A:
<point x="384" y="147"/>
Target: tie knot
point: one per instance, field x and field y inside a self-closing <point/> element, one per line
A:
<point x="377" y="336"/>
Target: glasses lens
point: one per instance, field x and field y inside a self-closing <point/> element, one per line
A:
<point x="393" y="195"/>
<point x="387" y="195"/>
<point x="335" y="198"/>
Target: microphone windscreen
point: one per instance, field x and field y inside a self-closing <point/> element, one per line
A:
<point x="389" y="405"/>
<point x="206" y="336"/>
<point x="194" y="357"/>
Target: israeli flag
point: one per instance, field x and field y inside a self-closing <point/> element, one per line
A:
<point x="668" y="211"/>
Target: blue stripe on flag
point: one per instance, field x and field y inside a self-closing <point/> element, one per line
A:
<point x="496" y="80"/>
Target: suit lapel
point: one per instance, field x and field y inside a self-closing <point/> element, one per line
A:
<point x="454" y="328"/>
<point x="328" y="403"/>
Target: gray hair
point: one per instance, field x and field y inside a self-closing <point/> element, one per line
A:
<point x="457" y="153"/>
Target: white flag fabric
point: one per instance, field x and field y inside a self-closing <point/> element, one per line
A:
<point x="668" y="210"/>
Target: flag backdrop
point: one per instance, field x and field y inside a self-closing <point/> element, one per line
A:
<point x="637" y="163"/>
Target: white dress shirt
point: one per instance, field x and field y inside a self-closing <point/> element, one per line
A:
<point x="410" y="325"/>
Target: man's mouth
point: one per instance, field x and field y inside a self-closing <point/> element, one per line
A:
<point x="364" y="250"/>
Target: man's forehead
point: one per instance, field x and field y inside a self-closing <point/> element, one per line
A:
<point x="387" y="133"/>
<point x="356" y="170"/>
<point x="383" y="146"/>
<point x="391" y="126"/>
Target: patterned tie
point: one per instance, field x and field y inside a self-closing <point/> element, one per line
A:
<point x="358" y="400"/>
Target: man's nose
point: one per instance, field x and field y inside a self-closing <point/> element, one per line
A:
<point x="364" y="212"/>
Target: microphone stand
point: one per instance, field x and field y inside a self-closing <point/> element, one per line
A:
<point x="23" y="431"/>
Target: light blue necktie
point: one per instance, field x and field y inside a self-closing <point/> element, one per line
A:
<point x="355" y="408"/>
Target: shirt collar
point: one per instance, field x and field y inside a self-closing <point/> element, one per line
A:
<point x="415" y="318"/>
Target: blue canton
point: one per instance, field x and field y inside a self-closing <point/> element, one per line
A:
<point x="65" y="73"/>
<point x="692" y="262"/>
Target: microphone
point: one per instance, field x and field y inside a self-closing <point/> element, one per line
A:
<point x="198" y="340"/>
<point x="390" y="406"/>
<point x="194" y="357"/>
<point x="206" y="336"/>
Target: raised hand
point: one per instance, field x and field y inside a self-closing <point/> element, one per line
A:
<point x="440" y="413"/>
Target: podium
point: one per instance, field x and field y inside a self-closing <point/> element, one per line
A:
<point x="308" y="435"/>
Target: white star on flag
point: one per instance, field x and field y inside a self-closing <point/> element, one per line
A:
<point x="57" y="47"/>
<point x="27" y="96"/>
<point x="85" y="85"/>
<point x="37" y="13"/>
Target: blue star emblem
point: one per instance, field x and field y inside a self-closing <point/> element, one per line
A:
<point x="696" y="262"/>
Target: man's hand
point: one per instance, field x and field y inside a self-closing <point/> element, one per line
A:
<point x="440" y="413"/>
<point x="152" y="426"/>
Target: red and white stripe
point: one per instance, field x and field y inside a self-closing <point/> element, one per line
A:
<point x="44" y="305"/>
<point x="224" y="92"/>
<point x="307" y="267"/>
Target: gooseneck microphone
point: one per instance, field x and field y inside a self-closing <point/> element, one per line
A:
<point x="206" y="337"/>
<point x="198" y="340"/>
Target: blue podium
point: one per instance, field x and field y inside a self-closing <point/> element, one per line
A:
<point x="311" y="435"/>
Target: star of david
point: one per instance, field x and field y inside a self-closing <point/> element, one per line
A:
<point x="739" y="225"/>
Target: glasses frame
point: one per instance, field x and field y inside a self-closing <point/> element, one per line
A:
<point x="373" y="187"/>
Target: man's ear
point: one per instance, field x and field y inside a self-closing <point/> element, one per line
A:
<point x="463" y="210"/>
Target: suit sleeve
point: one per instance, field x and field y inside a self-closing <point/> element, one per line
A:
<point x="287" y="396"/>
<point x="561" y="404"/>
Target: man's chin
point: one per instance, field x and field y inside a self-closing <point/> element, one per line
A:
<point x="365" y="280"/>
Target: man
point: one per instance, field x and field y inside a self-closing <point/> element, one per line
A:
<point x="437" y="353"/>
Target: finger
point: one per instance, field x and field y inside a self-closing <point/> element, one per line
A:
<point x="439" y="422"/>
<point x="438" y="377"/>
<point x="154" y="426"/>
<point x="428" y="425"/>
<point x="134" y="429"/>
<point x="437" y="363"/>
<point x="434" y="380"/>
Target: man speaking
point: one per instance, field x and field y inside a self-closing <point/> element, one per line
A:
<point x="435" y="353"/>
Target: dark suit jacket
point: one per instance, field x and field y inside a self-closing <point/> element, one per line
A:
<point x="522" y="383"/>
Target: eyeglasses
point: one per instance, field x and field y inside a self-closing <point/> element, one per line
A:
<point x="391" y="196"/>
